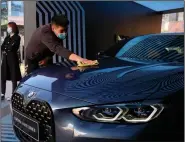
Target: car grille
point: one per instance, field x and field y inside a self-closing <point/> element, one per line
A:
<point x="38" y="110"/>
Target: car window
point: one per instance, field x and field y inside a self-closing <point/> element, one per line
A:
<point x="167" y="48"/>
<point x="114" y="49"/>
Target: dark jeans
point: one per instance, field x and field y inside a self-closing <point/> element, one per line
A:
<point x="3" y="86"/>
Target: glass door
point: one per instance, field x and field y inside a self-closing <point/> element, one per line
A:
<point x="173" y="22"/>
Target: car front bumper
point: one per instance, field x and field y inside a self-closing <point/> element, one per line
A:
<point x="69" y="128"/>
<point x="168" y="126"/>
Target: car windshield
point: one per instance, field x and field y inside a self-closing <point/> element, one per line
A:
<point x="168" y="48"/>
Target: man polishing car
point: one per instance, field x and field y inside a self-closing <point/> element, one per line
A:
<point x="48" y="40"/>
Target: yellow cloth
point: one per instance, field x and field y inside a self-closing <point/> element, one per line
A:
<point x="80" y="64"/>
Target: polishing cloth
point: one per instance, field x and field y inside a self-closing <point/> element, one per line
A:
<point x="81" y="64"/>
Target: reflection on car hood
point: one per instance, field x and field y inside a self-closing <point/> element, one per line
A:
<point x="114" y="80"/>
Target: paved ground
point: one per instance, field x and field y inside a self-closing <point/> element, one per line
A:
<point x="7" y="134"/>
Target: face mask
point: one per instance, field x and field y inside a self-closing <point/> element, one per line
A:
<point x="9" y="30"/>
<point x="62" y="36"/>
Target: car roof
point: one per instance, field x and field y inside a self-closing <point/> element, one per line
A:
<point x="170" y="34"/>
<point x="137" y="39"/>
<point x="180" y="33"/>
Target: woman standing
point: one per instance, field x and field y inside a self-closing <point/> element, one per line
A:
<point x="10" y="69"/>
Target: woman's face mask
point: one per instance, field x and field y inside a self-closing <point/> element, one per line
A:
<point x="9" y="30"/>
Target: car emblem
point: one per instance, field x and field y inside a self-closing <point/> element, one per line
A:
<point x="29" y="97"/>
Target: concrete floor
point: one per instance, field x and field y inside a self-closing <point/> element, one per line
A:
<point x="7" y="134"/>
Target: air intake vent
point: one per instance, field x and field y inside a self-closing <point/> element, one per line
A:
<point x="36" y="110"/>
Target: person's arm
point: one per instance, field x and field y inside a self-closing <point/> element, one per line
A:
<point x="54" y="45"/>
<point x="74" y="57"/>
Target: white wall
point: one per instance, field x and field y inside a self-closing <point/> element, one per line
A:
<point x="29" y="20"/>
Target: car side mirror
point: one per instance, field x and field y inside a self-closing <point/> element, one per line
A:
<point x="101" y="55"/>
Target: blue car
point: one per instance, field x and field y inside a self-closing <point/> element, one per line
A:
<point x="135" y="96"/>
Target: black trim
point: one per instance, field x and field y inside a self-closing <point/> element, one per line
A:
<point x="173" y="11"/>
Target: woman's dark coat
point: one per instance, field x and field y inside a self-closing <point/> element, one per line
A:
<point x="10" y="69"/>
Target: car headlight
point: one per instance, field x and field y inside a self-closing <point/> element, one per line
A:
<point x="130" y="113"/>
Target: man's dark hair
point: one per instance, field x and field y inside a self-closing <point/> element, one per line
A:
<point x="60" y="20"/>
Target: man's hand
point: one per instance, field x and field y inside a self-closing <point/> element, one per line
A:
<point x="74" y="57"/>
<point x="44" y="61"/>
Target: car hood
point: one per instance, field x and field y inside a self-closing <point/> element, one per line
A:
<point x="114" y="80"/>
